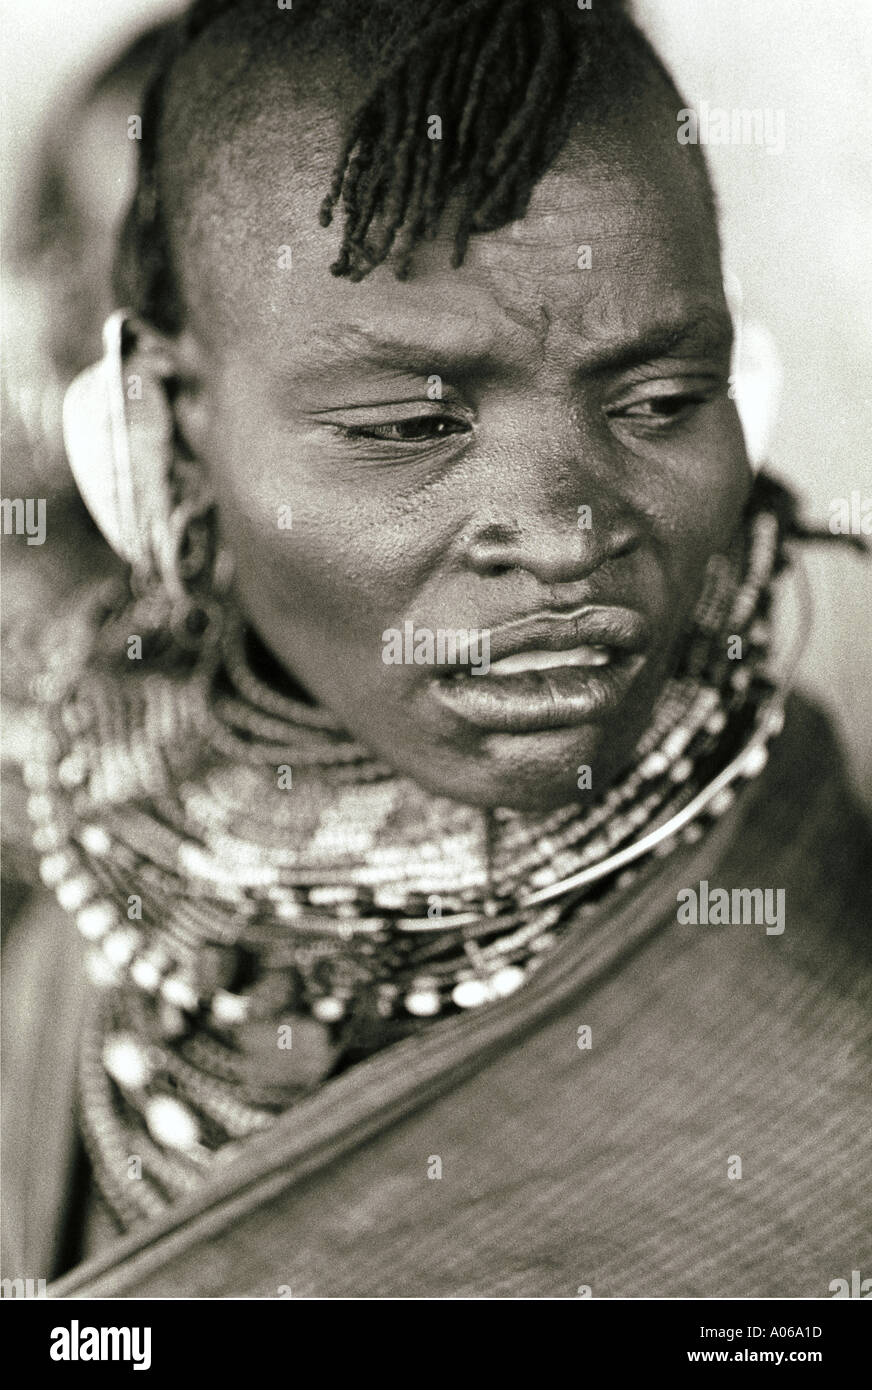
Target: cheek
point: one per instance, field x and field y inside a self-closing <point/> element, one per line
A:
<point x="706" y="498"/>
<point x="695" y="512"/>
<point x="320" y="570"/>
<point x="728" y="485"/>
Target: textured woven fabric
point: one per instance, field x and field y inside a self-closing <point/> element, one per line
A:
<point x="609" y="1168"/>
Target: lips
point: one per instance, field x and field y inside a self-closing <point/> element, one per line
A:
<point x="617" y="628"/>
<point x="551" y="671"/>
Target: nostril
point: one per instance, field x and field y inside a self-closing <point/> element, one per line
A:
<point x="625" y="547"/>
<point x="553" y="557"/>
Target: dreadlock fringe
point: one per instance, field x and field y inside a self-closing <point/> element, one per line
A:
<point x="468" y="69"/>
<point x="501" y="76"/>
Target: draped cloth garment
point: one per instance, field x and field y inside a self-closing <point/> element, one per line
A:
<point x="491" y="1155"/>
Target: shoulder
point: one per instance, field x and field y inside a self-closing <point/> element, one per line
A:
<point x="805" y="831"/>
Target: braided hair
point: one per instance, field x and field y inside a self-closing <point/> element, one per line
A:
<point x="505" y="78"/>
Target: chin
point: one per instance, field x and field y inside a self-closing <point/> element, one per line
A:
<point x="532" y="772"/>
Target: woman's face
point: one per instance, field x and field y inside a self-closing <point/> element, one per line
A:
<point x="538" y="446"/>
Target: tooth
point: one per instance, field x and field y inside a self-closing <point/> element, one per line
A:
<point x="544" y="661"/>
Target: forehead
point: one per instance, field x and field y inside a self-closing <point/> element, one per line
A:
<point x="620" y="233"/>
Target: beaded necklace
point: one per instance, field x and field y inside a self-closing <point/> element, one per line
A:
<point x="247" y="940"/>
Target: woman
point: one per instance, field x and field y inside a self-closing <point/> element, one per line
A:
<point x="426" y="798"/>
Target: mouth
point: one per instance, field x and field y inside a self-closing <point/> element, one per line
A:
<point x="550" y="671"/>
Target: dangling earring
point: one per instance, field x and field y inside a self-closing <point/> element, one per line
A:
<point x="151" y="503"/>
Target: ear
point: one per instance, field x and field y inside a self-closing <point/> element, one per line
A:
<point x="119" y="432"/>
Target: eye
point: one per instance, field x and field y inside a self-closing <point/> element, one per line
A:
<point x="663" y="404"/>
<point x="416" y="429"/>
<point x="663" y="409"/>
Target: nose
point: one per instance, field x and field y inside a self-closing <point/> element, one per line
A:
<point x="549" y="497"/>
<point x="563" y="548"/>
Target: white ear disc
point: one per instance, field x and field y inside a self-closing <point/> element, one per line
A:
<point x="96" y="444"/>
<point x="90" y="450"/>
<point x="118" y="432"/>
<point x="756" y="375"/>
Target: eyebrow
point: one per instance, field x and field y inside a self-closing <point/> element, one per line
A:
<point x="352" y="344"/>
<point x="707" y="330"/>
<point x="704" y="330"/>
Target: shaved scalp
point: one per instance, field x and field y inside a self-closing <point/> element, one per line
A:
<point x="344" y="92"/>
